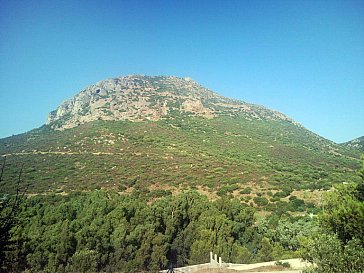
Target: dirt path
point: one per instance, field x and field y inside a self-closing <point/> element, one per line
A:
<point x="296" y="266"/>
<point x="61" y="153"/>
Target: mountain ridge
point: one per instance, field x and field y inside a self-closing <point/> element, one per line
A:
<point x="140" y="97"/>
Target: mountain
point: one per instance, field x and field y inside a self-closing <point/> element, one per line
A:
<point x="161" y="135"/>
<point x="357" y="143"/>
<point x="138" y="98"/>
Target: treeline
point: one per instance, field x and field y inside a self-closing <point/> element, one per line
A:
<point x="103" y="231"/>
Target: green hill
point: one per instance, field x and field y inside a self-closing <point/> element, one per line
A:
<point x="357" y="143"/>
<point x="214" y="144"/>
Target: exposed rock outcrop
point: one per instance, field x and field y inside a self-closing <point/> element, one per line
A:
<point x="138" y="98"/>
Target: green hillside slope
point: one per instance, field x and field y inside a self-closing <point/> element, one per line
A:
<point x="357" y="143"/>
<point x="220" y="156"/>
<point x="159" y="135"/>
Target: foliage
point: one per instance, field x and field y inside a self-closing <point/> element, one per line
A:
<point x="284" y="264"/>
<point x="225" y="155"/>
<point x="344" y="214"/>
<point x="109" y="198"/>
<point x="296" y="204"/>
<point x="246" y="190"/>
<point x="260" y="201"/>
<point x="328" y="253"/>
<point x="9" y="209"/>
<point x="339" y="246"/>
<point x="106" y="231"/>
<point x="103" y="231"/>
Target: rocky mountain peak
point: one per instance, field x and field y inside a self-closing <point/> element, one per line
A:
<point x="138" y="98"/>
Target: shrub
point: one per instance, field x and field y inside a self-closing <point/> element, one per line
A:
<point x="247" y="190"/>
<point x="280" y="194"/>
<point x="275" y="199"/>
<point x="284" y="264"/>
<point x="227" y="189"/>
<point x="297" y="204"/>
<point x="260" y="201"/>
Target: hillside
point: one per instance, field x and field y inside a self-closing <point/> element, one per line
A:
<point x="158" y="135"/>
<point x="357" y="143"/>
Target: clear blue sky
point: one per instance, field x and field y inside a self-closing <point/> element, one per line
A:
<point x="302" y="58"/>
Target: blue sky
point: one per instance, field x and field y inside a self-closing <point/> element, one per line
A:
<point x="302" y="58"/>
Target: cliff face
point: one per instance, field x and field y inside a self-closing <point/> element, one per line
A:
<point x="139" y="98"/>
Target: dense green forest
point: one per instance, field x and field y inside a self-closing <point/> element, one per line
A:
<point x="105" y="231"/>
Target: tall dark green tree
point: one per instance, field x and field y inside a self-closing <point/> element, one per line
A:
<point x="9" y="208"/>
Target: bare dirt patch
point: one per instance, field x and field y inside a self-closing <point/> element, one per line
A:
<point x="268" y="268"/>
<point x="217" y="270"/>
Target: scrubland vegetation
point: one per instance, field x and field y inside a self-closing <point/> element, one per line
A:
<point x="224" y="156"/>
<point x="104" y="231"/>
<point x="123" y="196"/>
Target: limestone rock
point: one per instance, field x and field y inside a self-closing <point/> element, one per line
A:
<point x="138" y="98"/>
